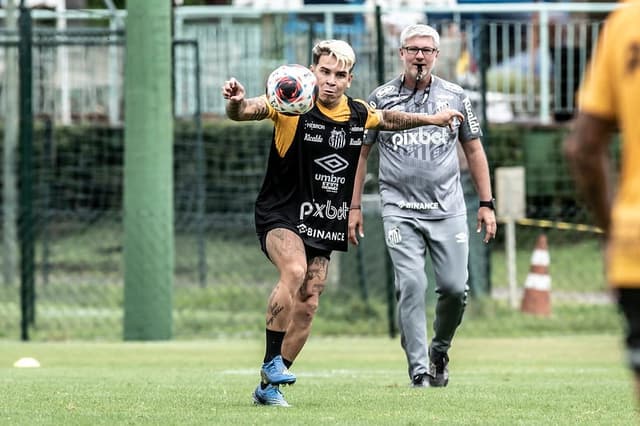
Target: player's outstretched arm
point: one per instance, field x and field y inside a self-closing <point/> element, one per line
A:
<point x="400" y="120"/>
<point x="240" y="109"/>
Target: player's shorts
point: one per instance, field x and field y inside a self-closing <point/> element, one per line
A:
<point x="310" y="251"/>
<point x="629" y="302"/>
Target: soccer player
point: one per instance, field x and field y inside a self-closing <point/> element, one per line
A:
<point x="423" y="207"/>
<point x="608" y="101"/>
<point x="302" y="209"/>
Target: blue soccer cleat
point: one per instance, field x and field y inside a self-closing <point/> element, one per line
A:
<point x="270" y="395"/>
<point x="274" y="372"/>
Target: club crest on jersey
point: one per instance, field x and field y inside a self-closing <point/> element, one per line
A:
<point x="337" y="139"/>
<point x="441" y="105"/>
<point x="394" y="237"/>
<point x="385" y="91"/>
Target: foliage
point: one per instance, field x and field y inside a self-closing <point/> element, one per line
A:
<point x="238" y="310"/>
<point x="79" y="244"/>
<point x="576" y="261"/>
<point x="235" y="156"/>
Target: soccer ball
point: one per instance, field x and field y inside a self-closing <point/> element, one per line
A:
<point x="292" y="89"/>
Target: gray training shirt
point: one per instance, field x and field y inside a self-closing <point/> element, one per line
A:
<point x="419" y="172"/>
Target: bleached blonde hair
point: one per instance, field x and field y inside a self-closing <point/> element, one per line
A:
<point x="339" y="49"/>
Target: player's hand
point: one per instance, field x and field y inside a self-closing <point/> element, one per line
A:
<point x="448" y="117"/>
<point x="487" y="217"/>
<point x="356" y="226"/>
<point x="233" y="91"/>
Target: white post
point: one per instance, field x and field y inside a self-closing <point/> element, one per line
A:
<point x="545" y="67"/>
<point x="114" y="90"/>
<point x="510" y="196"/>
<point x="113" y="107"/>
<point x="178" y="98"/>
<point x="63" y="66"/>
<point x="328" y="24"/>
<point x="9" y="188"/>
<point x="511" y="262"/>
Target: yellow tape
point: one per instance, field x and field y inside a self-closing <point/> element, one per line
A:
<point x="559" y="225"/>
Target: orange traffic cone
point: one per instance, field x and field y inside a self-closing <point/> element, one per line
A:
<point x="537" y="287"/>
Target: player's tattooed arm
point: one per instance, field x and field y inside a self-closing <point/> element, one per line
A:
<point x="400" y="120"/>
<point x="238" y="107"/>
<point x="247" y="109"/>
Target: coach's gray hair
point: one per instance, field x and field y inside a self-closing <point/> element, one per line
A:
<point x="339" y="49"/>
<point x="419" y="30"/>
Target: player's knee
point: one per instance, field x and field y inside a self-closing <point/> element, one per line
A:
<point x="460" y="294"/>
<point x="294" y="273"/>
<point x="453" y="291"/>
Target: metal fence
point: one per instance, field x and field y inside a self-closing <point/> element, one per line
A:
<point x="221" y="277"/>
<point x="534" y="54"/>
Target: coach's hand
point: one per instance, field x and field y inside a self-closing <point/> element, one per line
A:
<point x="356" y="226"/>
<point x="487" y="217"/>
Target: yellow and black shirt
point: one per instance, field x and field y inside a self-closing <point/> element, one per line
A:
<point x="311" y="170"/>
<point x="611" y="90"/>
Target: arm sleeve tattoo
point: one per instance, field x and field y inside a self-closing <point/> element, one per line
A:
<point x="248" y="109"/>
<point x="399" y="120"/>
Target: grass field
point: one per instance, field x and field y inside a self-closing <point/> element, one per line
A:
<point x="350" y="381"/>
<point x="575" y="260"/>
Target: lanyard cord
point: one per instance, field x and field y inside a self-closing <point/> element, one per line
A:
<point x="425" y="97"/>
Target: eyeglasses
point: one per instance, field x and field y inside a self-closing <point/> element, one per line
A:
<point x="426" y="51"/>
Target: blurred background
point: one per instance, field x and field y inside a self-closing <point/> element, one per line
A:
<point x="520" y="63"/>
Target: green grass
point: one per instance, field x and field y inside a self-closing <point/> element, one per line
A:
<point x="576" y="262"/>
<point x="239" y="311"/>
<point x="352" y="381"/>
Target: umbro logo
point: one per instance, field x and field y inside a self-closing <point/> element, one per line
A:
<point x="332" y="163"/>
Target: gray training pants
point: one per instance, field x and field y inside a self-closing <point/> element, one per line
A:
<point x="447" y="241"/>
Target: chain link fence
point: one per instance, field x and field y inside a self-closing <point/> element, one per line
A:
<point x="221" y="278"/>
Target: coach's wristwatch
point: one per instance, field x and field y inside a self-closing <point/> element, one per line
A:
<point x="491" y="204"/>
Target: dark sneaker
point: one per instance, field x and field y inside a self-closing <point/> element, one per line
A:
<point x="274" y="372"/>
<point x="270" y="395"/>
<point x="439" y="372"/>
<point x="420" y="381"/>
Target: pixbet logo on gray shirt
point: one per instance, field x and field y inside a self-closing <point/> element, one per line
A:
<point x="419" y="173"/>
